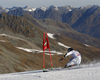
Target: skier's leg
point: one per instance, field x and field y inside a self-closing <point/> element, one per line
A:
<point x="73" y="62"/>
<point x="68" y="64"/>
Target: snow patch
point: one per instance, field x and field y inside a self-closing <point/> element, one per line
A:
<point x="25" y="49"/>
<point x="10" y="36"/>
<point x="2" y="41"/>
<point x="69" y="9"/>
<point x="56" y="8"/>
<point x="28" y="8"/>
<point x="43" y="8"/>
<point x="39" y="51"/>
<point x="63" y="45"/>
<point x="51" y="35"/>
<point x="3" y="35"/>
<point x="87" y="45"/>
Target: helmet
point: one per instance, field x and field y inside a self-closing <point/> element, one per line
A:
<point x="70" y="49"/>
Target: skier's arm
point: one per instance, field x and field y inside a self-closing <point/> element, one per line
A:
<point x="65" y="55"/>
<point x="62" y="57"/>
<point x="69" y="53"/>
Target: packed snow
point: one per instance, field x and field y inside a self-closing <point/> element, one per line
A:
<point x="83" y="73"/>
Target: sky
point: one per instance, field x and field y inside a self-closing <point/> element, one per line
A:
<point x="46" y="3"/>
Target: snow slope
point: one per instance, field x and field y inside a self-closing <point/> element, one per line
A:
<point x="84" y="73"/>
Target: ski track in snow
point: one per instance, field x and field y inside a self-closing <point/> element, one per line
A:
<point x="83" y="73"/>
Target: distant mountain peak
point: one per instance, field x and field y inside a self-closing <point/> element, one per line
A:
<point x="13" y="8"/>
<point x="3" y="9"/>
<point x="62" y="8"/>
<point x="43" y="8"/>
<point x="53" y="7"/>
<point x="88" y="6"/>
<point x="28" y="8"/>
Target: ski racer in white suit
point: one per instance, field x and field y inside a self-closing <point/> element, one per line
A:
<point x="75" y="60"/>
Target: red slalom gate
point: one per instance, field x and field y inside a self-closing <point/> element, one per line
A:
<point x="46" y="46"/>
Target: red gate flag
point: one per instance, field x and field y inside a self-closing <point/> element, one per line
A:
<point x="46" y="46"/>
<point x="45" y="42"/>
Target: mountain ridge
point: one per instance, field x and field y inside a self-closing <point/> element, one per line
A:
<point x="56" y="27"/>
<point x="77" y="18"/>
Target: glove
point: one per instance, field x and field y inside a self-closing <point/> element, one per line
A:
<point x="65" y="54"/>
<point x="61" y="59"/>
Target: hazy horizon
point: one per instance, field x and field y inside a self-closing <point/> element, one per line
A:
<point x="46" y="3"/>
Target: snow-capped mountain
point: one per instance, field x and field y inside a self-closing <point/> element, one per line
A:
<point x="61" y="8"/>
<point x="3" y="9"/>
<point x="87" y="7"/>
<point x="28" y="8"/>
<point x="13" y="8"/>
<point x="42" y="8"/>
<point x="67" y="7"/>
<point x="53" y="7"/>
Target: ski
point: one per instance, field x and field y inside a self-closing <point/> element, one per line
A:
<point x="62" y="68"/>
<point x="54" y="69"/>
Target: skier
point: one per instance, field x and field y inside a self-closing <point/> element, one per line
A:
<point x="75" y="60"/>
